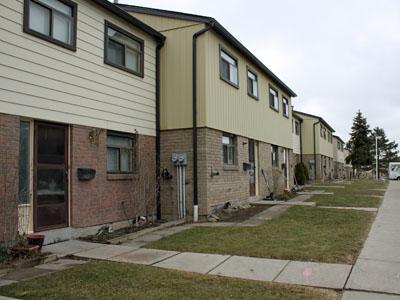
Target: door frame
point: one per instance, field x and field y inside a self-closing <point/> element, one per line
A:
<point x="255" y="168"/>
<point x="66" y="178"/>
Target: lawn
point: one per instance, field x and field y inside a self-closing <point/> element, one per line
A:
<point x="361" y="193"/>
<point x="302" y="233"/>
<point x="106" y="280"/>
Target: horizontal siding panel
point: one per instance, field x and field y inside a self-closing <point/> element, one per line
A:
<point x="86" y="51"/>
<point x="57" y="96"/>
<point x="32" y="101"/>
<point x="46" y="82"/>
<point x="61" y="69"/>
<point x="41" y="80"/>
<point x="67" y="118"/>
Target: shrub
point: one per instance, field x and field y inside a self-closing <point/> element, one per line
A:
<point x="301" y="173"/>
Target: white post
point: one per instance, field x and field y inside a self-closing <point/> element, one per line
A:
<point x="195" y="213"/>
<point x="376" y="156"/>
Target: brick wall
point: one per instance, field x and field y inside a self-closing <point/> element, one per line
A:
<point x="9" y="149"/>
<point x="231" y="184"/>
<point x="98" y="201"/>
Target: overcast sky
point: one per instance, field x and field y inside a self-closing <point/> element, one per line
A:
<point x="337" y="55"/>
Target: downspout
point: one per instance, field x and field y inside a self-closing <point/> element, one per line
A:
<point x="301" y="143"/>
<point x="194" y="118"/>
<point x="158" y="137"/>
<point x="315" y="152"/>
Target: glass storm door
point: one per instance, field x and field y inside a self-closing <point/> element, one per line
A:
<point x="51" y="195"/>
<point x="252" y="173"/>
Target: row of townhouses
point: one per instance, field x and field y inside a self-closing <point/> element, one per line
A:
<point x="109" y="112"/>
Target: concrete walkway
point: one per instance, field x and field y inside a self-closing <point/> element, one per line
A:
<point x="378" y="267"/>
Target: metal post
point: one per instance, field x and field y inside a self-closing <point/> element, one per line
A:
<point x="376" y="156"/>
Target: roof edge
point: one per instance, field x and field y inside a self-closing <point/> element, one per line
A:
<point x="317" y="117"/>
<point x="130" y="19"/>
<point x="219" y="29"/>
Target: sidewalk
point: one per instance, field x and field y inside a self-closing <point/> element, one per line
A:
<point x="378" y="266"/>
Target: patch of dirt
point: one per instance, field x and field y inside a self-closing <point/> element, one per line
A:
<point x="241" y="214"/>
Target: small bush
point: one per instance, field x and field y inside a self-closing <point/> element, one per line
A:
<point x="301" y="173"/>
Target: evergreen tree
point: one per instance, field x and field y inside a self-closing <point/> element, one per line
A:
<point x="359" y="144"/>
<point x="387" y="150"/>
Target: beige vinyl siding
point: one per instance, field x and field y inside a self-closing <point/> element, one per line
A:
<point x="322" y="146"/>
<point x="296" y="143"/>
<point x="41" y="80"/>
<point x="176" y="71"/>
<point x="232" y="110"/>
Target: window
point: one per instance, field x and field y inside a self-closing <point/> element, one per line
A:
<point x="285" y="107"/>
<point x="274" y="155"/>
<point x="329" y="137"/>
<point x="338" y="145"/>
<point x="24" y="157"/>
<point x="52" y="20"/>
<point x="229" y="149"/>
<point x="120" y="152"/>
<point x="228" y="68"/>
<point x="273" y="99"/>
<point x="123" y="50"/>
<point x="297" y="127"/>
<point x="252" y="84"/>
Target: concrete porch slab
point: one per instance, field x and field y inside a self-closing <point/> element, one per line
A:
<point x="61" y="264"/>
<point x="250" y="268"/>
<point x="144" y="256"/>
<point x="315" y="274"/>
<point x="193" y="262"/>
<point x="353" y="295"/>
<point x="378" y="276"/>
<point x="104" y="252"/>
<point x="70" y="247"/>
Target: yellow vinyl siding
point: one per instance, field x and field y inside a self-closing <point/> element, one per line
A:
<point x="42" y="80"/>
<point x="232" y="110"/>
<point x="322" y="146"/>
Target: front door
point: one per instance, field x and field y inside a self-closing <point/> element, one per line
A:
<point x="252" y="172"/>
<point x="50" y="182"/>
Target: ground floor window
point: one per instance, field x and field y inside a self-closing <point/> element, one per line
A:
<point x="120" y="154"/>
<point x="228" y="149"/>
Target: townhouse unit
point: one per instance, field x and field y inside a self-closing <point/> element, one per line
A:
<point x="339" y="159"/>
<point x="78" y="119"/>
<point x="316" y="146"/>
<point x="225" y="117"/>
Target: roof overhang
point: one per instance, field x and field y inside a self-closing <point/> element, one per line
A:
<point x="316" y="117"/>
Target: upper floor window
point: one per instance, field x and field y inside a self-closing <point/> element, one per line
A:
<point x="123" y="50"/>
<point x="297" y="127"/>
<point x="339" y="145"/>
<point x="120" y="152"/>
<point x="273" y="99"/>
<point x="329" y="137"/>
<point x="52" y="20"/>
<point x="252" y="84"/>
<point x="229" y="149"/>
<point x="285" y="107"/>
<point x="228" y="68"/>
<point x="274" y="156"/>
<point x="323" y="132"/>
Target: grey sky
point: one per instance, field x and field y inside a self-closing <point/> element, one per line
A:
<point x="338" y="55"/>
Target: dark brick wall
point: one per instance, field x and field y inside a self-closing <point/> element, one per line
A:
<point x="9" y="149"/>
<point x="99" y="201"/>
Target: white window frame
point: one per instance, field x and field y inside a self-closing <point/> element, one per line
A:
<point x="226" y="57"/>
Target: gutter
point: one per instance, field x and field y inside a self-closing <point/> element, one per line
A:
<point x="194" y="119"/>
<point x="315" y="153"/>
<point x="158" y="133"/>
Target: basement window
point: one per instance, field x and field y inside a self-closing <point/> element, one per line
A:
<point x="120" y="154"/>
<point x="229" y="149"/>
<point x="52" y="20"/>
<point x="123" y="50"/>
<point x="273" y="99"/>
<point x="228" y="68"/>
<point x="252" y="84"/>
